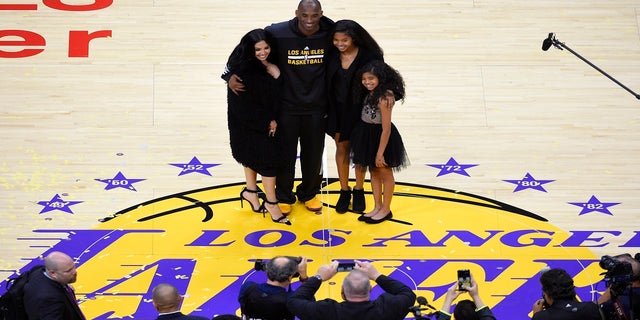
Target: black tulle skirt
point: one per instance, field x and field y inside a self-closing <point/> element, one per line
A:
<point x="364" y="142"/>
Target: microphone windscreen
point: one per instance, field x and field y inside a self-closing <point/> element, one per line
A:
<point x="546" y="44"/>
<point x="422" y="301"/>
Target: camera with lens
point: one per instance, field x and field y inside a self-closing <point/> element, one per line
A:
<point x="261" y="265"/>
<point x="618" y="275"/>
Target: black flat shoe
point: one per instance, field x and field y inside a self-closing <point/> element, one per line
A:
<point x="362" y="217"/>
<point x="387" y="217"/>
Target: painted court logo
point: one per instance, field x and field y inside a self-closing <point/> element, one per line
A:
<point x="205" y="244"/>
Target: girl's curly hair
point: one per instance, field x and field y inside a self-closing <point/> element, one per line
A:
<point x="388" y="79"/>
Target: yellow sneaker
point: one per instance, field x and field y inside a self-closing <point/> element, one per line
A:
<point x="314" y="204"/>
<point x="285" y="208"/>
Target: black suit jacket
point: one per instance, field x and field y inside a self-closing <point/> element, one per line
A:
<point x="46" y="299"/>
<point x="179" y="316"/>
<point x="482" y="314"/>
<point x="570" y="310"/>
<point x="393" y="304"/>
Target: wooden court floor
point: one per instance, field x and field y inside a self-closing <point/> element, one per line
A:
<point x="541" y="131"/>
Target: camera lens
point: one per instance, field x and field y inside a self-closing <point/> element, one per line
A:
<point x="607" y="263"/>
<point x="259" y="265"/>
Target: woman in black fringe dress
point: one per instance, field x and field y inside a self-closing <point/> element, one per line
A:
<point x="251" y="117"/>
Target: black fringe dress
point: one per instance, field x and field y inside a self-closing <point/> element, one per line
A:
<point x="248" y="117"/>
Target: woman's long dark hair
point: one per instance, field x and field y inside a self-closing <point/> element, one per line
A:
<point x="243" y="55"/>
<point x="359" y="35"/>
<point x="388" y="79"/>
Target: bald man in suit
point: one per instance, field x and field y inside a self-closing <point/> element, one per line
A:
<point x="48" y="294"/>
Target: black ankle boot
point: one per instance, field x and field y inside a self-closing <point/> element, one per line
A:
<point x="358" y="204"/>
<point x="343" y="202"/>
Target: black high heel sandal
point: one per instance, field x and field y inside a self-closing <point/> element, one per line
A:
<point x="259" y="209"/>
<point x="282" y="219"/>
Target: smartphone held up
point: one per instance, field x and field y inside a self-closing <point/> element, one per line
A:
<point x="346" y="266"/>
<point x="464" y="279"/>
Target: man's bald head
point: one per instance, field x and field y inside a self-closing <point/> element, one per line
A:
<point x="166" y="298"/>
<point x="55" y="259"/>
<point x="281" y="269"/>
<point x="60" y="267"/>
<point x="309" y="5"/>
<point x="356" y="286"/>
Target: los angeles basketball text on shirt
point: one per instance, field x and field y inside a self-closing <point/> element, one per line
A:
<point x="306" y="56"/>
<point x="17" y="43"/>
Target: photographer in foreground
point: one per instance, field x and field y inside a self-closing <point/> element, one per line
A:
<point x="559" y="299"/>
<point x="268" y="301"/>
<point x="393" y="304"/>
<point x="623" y="287"/>
<point x="465" y="309"/>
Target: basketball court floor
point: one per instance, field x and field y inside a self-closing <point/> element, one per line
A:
<point x="115" y="149"/>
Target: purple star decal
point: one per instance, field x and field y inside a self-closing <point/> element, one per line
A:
<point x="120" y="181"/>
<point x="194" y="166"/>
<point x="452" y="166"/>
<point x="529" y="182"/>
<point x="595" y="205"/>
<point x="56" y="203"/>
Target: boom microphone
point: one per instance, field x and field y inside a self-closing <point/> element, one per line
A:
<point x="552" y="41"/>
<point x="546" y="44"/>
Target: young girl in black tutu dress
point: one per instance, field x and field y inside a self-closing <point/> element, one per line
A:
<point x="375" y="141"/>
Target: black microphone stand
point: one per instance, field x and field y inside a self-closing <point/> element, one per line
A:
<point x="561" y="46"/>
